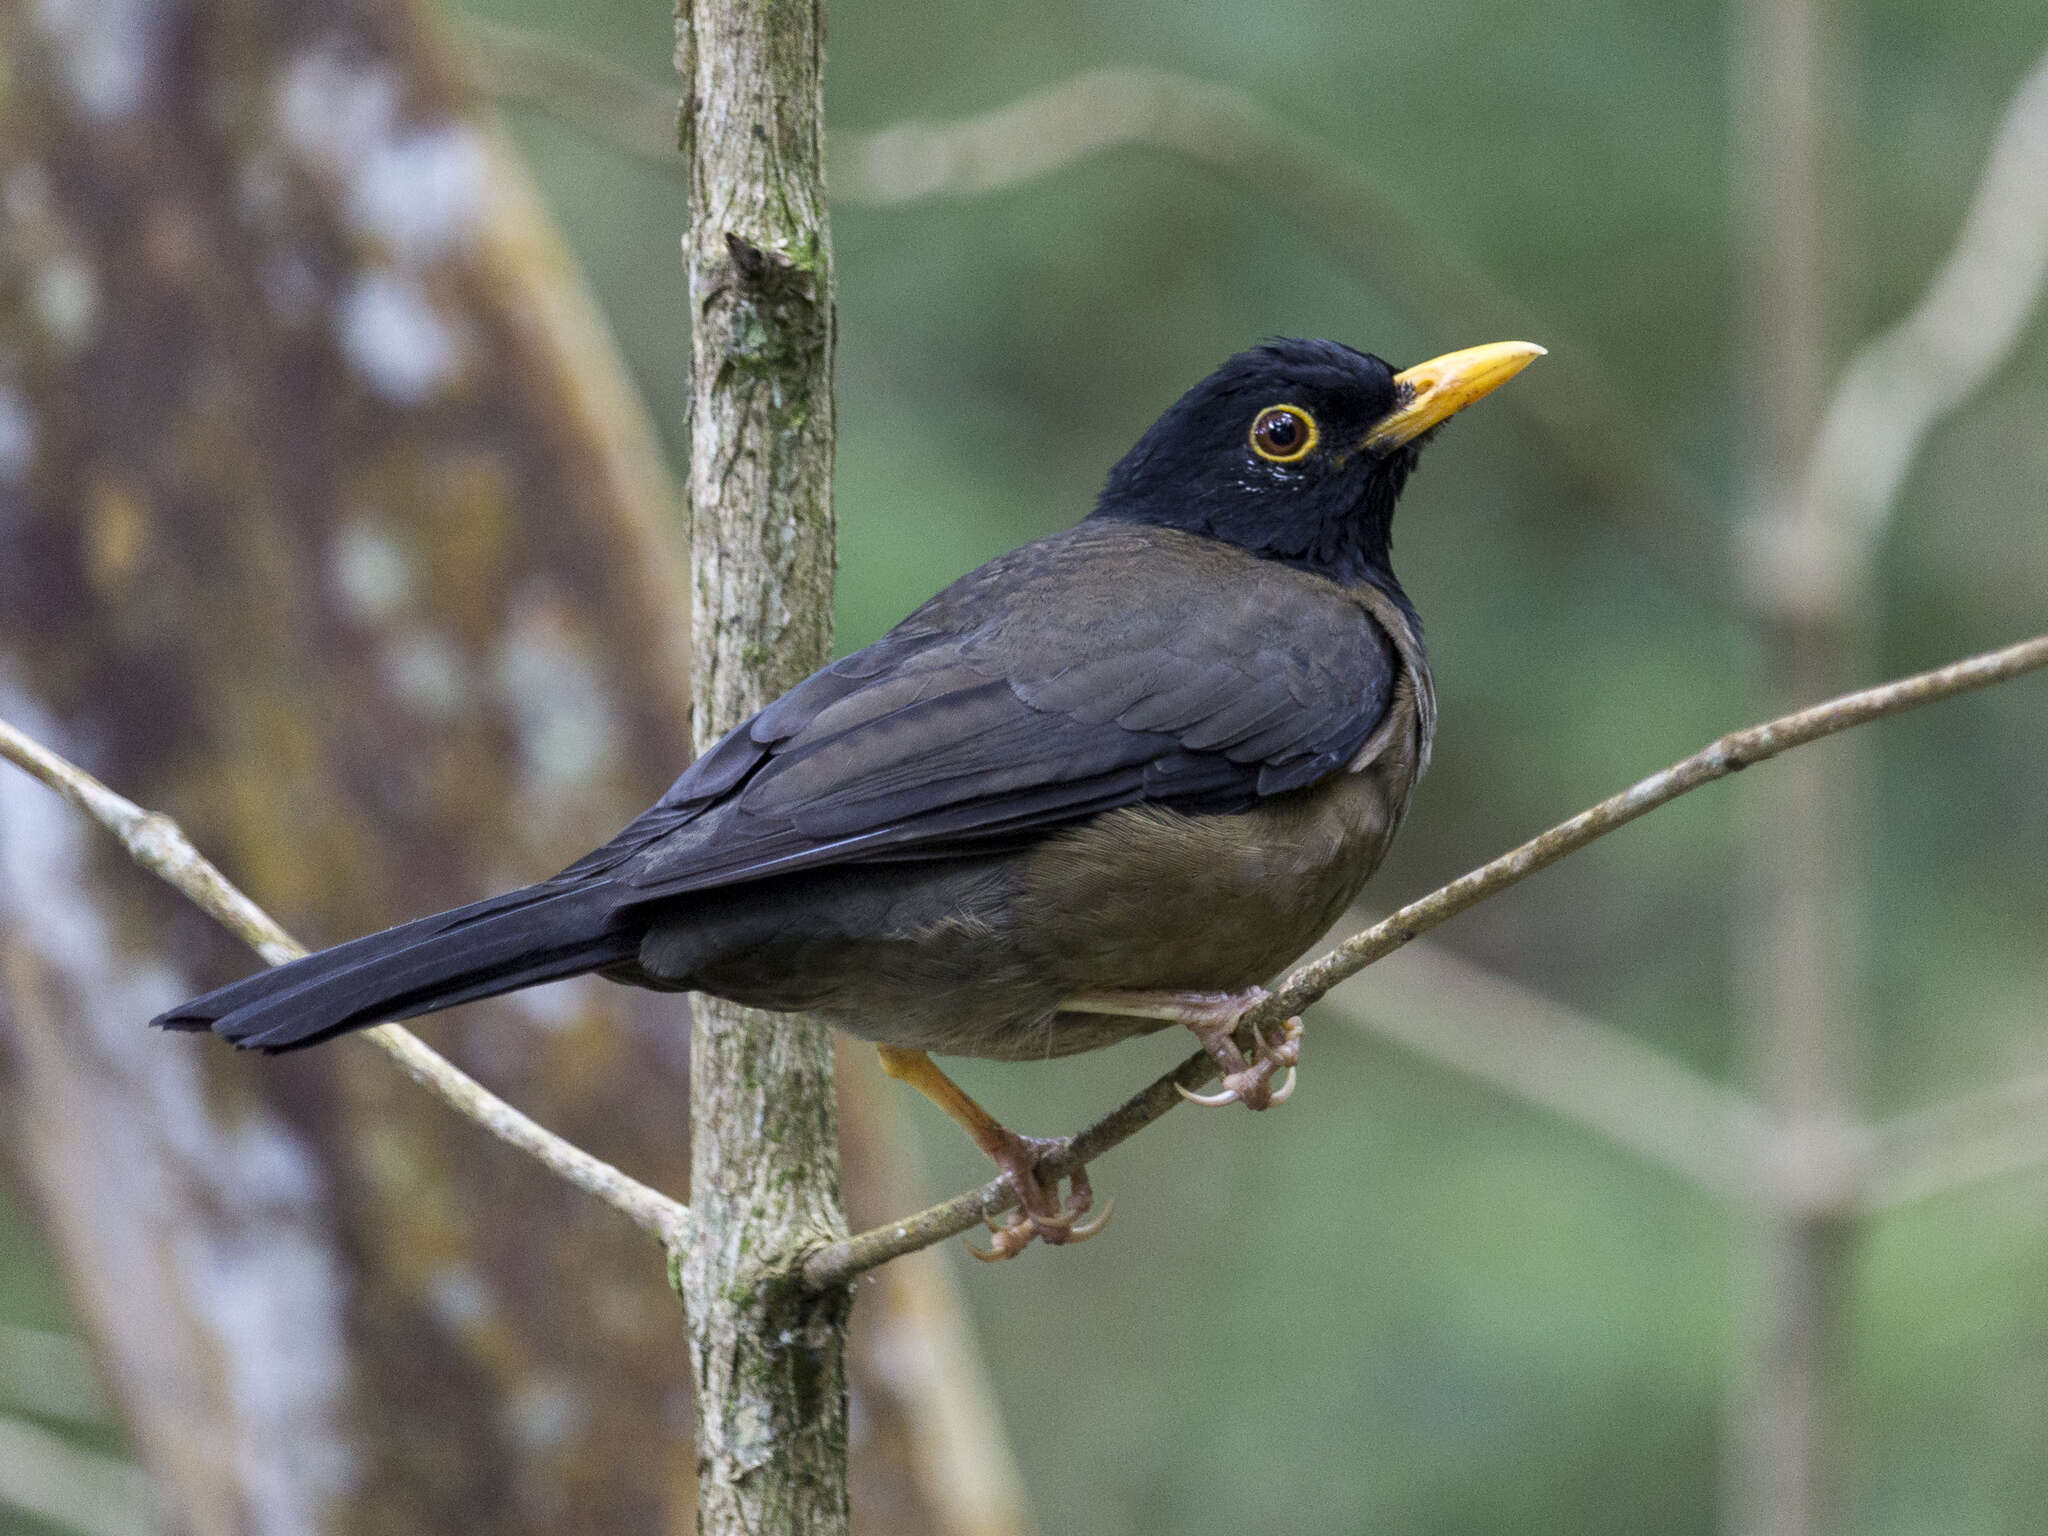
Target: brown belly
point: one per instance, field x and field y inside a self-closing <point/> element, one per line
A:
<point x="1148" y="900"/>
<point x="1140" y="899"/>
<point x="973" y="958"/>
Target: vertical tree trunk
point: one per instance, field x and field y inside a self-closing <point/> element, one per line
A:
<point x="771" y="1360"/>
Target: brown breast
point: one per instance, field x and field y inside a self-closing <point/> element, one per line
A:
<point x="1145" y="898"/>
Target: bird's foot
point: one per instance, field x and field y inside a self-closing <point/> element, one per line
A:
<point x="1214" y="1017"/>
<point x="1039" y="1212"/>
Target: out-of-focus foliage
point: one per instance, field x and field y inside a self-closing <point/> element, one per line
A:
<point x="1405" y="1305"/>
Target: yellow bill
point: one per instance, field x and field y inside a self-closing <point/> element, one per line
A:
<point x="1438" y="389"/>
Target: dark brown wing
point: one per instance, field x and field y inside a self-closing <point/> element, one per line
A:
<point x="1101" y="667"/>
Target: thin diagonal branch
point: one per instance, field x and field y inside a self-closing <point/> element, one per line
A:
<point x="1730" y="754"/>
<point x="156" y="843"/>
<point x="834" y="1263"/>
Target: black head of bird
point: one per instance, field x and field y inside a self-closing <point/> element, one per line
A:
<point x="1110" y="781"/>
<point x="1297" y="450"/>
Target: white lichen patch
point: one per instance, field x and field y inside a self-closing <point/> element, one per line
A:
<point x="459" y="1297"/>
<point x="257" y="1287"/>
<point x="333" y="110"/>
<point x="370" y="575"/>
<point x="424" y="671"/>
<point x="567" y="726"/>
<point x="394" y="337"/>
<point x="420" y="194"/>
<point x="374" y="583"/>
<point x="546" y="1412"/>
<point x="417" y="190"/>
<point x="413" y="193"/>
<point x="64" y="296"/>
<point x="109" y="50"/>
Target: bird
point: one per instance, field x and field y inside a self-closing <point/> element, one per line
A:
<point x="1108" y="783"/>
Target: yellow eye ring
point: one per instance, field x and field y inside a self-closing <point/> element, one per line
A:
<point x="1284" y="434"/>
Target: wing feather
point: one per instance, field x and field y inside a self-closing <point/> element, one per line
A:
<point x="1027" y="697"/>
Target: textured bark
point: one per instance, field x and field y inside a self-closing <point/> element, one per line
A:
<point x="770" y="1353"/>
<point x="326" y="526"/>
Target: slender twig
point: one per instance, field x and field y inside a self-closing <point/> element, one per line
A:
<point x="156" y="843"/>
<point x="833" y="1263"/>
<point x="1730" y="754"/>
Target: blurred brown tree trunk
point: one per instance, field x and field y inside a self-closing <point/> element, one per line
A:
<point x="326" y="531"/>
<point x="329" y="526"/>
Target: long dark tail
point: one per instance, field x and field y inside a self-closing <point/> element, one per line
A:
<point x="541" y="933"/>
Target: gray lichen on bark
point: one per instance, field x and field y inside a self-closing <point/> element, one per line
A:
<point x="769" y="1353"/>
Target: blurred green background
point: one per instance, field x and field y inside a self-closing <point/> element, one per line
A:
<point x="1409" y="1304"/>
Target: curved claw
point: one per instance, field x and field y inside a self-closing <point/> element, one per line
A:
<point x="1013" y="1237"/>
<point x="1207" y="1100"/>
<point x="1050" y="1219"/>
<point x="1009" y="1242"/>
<point x="1081" y="1234"/>
<point x="1288" y="1051"/>
<point x="1286" y="1090"/>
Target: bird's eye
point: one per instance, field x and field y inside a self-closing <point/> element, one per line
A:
<point x="1284" y="434"/>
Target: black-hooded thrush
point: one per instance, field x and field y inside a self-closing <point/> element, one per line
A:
<point x="1109" y="782"/>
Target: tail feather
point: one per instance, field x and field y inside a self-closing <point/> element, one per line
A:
<point x="495" y="946"/>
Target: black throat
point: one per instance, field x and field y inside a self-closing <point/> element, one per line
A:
<point x="1348" y="539"/>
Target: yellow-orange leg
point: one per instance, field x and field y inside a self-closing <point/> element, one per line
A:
<point x="1039" y="1213"/>
<point x="1213" y="1017"/>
